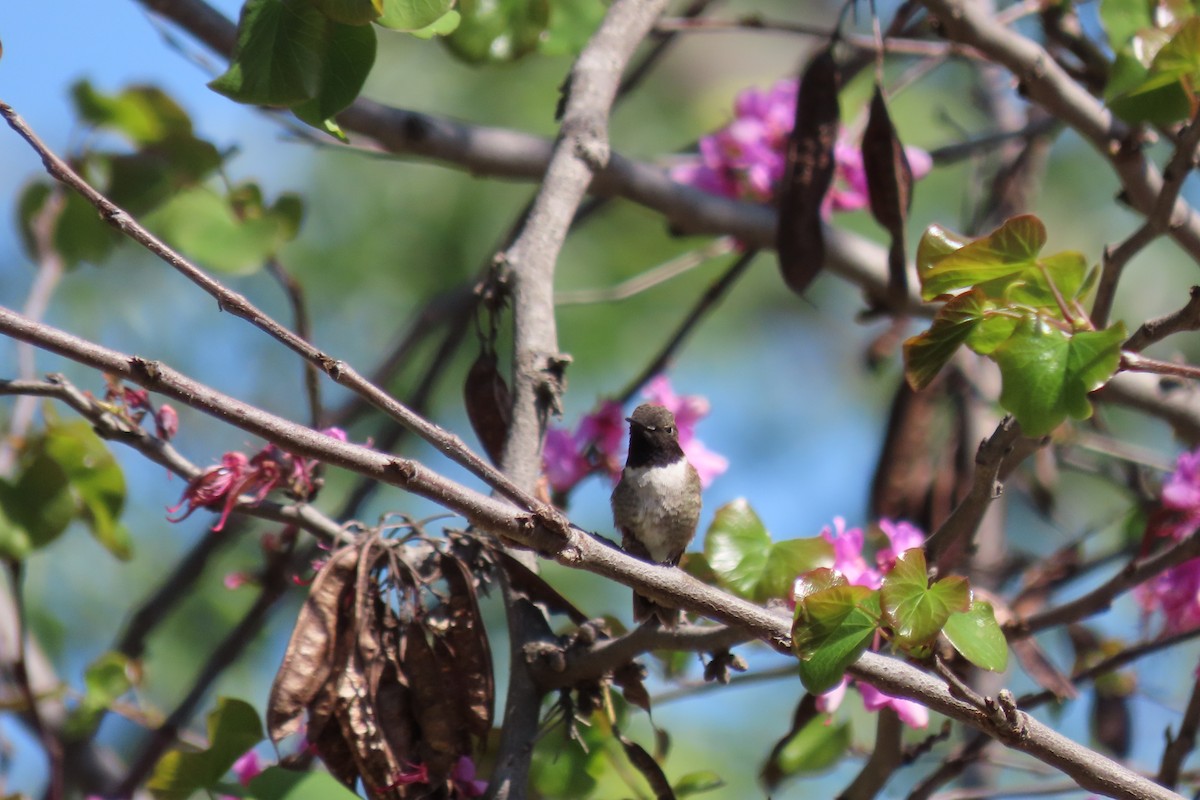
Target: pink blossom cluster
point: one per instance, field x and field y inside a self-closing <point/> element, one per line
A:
<point x="133" y="405"/>
<point x="747" y="158"/>
<point x="597" y="443"/>
<point x="257" y="476"/>
<point x="1176" y="592"/>
<point x="848" y="559"/>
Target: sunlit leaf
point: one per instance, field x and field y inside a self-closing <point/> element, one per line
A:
<point x="96" y="482"/>
<point x="498" y="30"/>
<point x="912" y="608"/>
<point x="736" y="546"/>
<point x="233" y="728"/>
<point x="413" y="15"/>
<point x="976" y="634"/>
<point x="740" y="552"/>
<point x="572" y="23"/>
<point x="204" y="227"/>
<point x="831" y="630"/>
<point x="144" y="114"/>
<point x="1047" y="372"/>
<point x="277" y="59"/>
<point x="926" y="353"/>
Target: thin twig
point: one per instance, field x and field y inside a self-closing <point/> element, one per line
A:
<point x="706" y="303"/>
<point x="51" y="744"/>
<point x="275" y="584"/>
<point x="303" y="325"/>
<point x="1180" y="746"/>
<point x="237" y="304"/>
<point x="646" y="280"/>
<point x="1155" y="330"/>
<point x="1161" y="218"/>
<point x="1135" y="362"/>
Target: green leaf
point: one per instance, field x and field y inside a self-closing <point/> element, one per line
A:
<point x="444" y="26"/>
<point x="937" y="243"/>
<point x="815" y="747"/>
<point x="739" y="551"/>
<point x="572" y="23"/>
<point x="277" y="58"/>
<point x="202" y="225"/>
<point x="233" y="728"/>
<point x="788" y="559"/>
<point x="698" y="783"/>
<point x="736" y="546"/>
<point x="104" y="681"/>
<point x="1002" y="255"/>
<point x="1124" y="18"/>
<point x="833" y="627"/>
<point x="914" y="610"/>
<point x="350" y="12"/>
<point x="276" y="783"/>
<point x="37" y="506"/>
<point x="498" y="30"/>
<point x="96" y="482"/>
<point x="976" y="634"/>
<point x="80" y="235"/>
<point x="345" y="64"/>
<point x="413" y="15"/>
<point x="144" y="114"/>
<point x="1162" y="92"/>
<point x="926" y="353"/>
<point x="1047" y="373"/>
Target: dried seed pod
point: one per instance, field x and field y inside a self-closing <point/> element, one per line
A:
<point x="488" y="404"/>
<point x="889" y="187"/>
<point x="799" y="238"/>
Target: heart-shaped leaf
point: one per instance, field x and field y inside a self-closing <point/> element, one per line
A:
<point x="914" y="610"/>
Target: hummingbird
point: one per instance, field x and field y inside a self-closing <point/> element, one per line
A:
<point x="656" y="504"/>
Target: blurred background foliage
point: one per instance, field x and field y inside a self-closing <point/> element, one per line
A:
<point x="795" y="409"/>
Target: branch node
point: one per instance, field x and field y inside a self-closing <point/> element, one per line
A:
<point x="149" y="371"/>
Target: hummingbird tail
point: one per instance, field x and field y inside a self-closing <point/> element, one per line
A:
<point x="646" y="609"/>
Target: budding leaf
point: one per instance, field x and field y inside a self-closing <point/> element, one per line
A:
<point x="832" y="628"/>
<point x="976" y="634"/>
<point x="1047" y="372"/>
<point x="914" y="610"/>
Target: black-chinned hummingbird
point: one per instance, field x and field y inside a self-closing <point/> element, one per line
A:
<point x="656" y="504"/>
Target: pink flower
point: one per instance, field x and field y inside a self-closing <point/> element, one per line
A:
<point x="236" y="580"/>
<point x="847" y="555"/>
<point x="746" y="159"/>
<point x="247" y="768"/>
<point x="914" y="715"/>
<point x="214" y="487"/>
<point x="166" y="422"/>
<point x="463" y="779"/>
<point x="901" y="536"/>
<point x="911" y="714"/>
<point x="1176" y="592"/>
<point x="688" y="410"/>
<point x="568" y="458"/>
